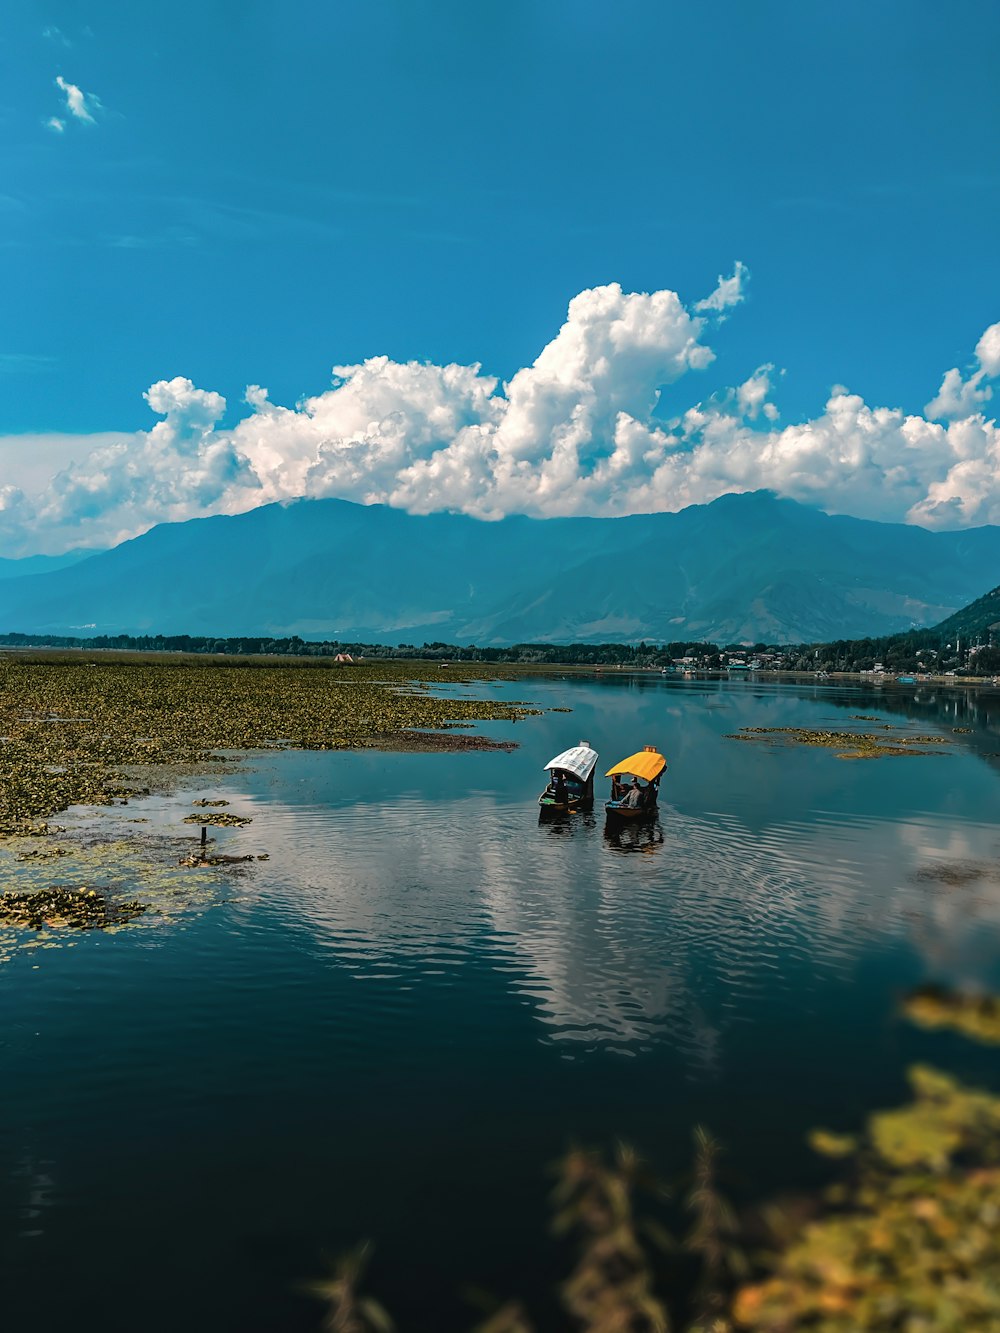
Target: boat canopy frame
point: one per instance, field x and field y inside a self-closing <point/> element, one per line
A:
<point x="580" y="761"/>
<point x="647" y="764"/>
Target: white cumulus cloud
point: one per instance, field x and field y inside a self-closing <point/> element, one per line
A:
<point x="961" y="397"/>
<point x="79" y="104"/>
<point x="582" y="430"/>
<point x="728" y="293"/>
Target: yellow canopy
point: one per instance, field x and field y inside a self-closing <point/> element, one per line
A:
<point x="646" y="764"/>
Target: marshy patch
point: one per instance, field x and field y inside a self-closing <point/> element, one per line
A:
<point x="218" y="820"/>
<point x="42" y="854"/>
<point x="76" y="908"/>
<point x="848" y="744"/>
<point x="430" y="742"/>
<point x="123" y="864"/>
<point x="82" y="732"/>
<point x="956" y="874"/>
<point x="218" y="859"/>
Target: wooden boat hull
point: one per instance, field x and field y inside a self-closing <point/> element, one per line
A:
<point x="629" y="813"/>
<point x="548" y="806"/>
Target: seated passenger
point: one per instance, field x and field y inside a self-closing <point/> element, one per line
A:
<point x="633" y="798"/>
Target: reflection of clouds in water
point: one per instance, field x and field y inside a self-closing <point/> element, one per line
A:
<point x="621" y="951"/>
<point x="35" y="1189"/>
<point x="953" y="898"/>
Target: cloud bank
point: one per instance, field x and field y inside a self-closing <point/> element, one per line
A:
<point x="580" y="431"/>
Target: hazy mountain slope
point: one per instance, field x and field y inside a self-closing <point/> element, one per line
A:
<point x="973" y="621"/>
<point x="747" y="567"/>
<point x="41" y="564"/>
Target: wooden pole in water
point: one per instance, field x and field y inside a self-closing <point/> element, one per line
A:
<point x="204" y="838"/>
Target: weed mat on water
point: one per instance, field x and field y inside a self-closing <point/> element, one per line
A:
<point x="848" y="744"/>
<point x="104" y="732"/>
<point x="103" y="885"/>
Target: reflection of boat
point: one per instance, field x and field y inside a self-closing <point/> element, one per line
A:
<point x="571" y="786"/>
<point x="647" y="764"/>
<point x="637" y="835"/>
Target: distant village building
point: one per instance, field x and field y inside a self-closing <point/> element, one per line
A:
<point x="343" y="657"/>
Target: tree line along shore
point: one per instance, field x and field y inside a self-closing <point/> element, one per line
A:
<point x="926" y="652"/>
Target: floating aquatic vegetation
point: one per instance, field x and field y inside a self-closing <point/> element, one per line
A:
<point x="975" y="1016"/>
<point x="430" y="742"/>
<point x="140" y="716"/>
<point x="956" y="874"/>
<point x="79" y="908"/>
<point x="849" y="744"/>
<point x="80" y="732"/>
<point x="219" y="820"/>
<point x="216" y="859"/>
<point x="124" y="863"/>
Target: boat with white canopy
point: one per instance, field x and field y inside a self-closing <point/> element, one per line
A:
<point x="571" y="781"/>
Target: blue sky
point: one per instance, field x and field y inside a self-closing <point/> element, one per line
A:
<point x="262" y="191"/>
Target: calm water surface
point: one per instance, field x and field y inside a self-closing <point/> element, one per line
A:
<point x="391" y="1028"/>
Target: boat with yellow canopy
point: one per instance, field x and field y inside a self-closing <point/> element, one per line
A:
<point x="631" y="800"/>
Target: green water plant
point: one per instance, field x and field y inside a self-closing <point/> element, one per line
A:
<point x="76" y="908"/>
<point x="90" y="732"/>
<point x="848" y="744"/>
<point x="218" y="820"/>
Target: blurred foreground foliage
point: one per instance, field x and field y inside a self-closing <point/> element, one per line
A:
<point x="975" y="1016"/>
<point x="907" y="1241"/>
<point x="912" y="1240"/>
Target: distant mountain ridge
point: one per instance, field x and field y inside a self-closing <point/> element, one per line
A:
<point x="42" y="564"/>
<point x="744" y="568"/>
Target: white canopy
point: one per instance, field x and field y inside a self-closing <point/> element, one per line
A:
<point x="581" y="761"/>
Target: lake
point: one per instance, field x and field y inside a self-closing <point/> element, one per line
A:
<point x="392" y="1027"/>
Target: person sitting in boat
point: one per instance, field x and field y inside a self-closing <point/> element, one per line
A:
<point x="557" y="787"/>
<point x="633" y="797"/>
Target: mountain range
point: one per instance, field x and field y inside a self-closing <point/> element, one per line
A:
<point x="745" y="568"/>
